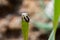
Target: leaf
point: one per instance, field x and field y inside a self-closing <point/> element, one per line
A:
<point x="56" y="15"/>
<point x="25" y="29"/>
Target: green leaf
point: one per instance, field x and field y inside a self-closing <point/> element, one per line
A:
<point x="25" y="29"/>
<point x="56" y="15"/>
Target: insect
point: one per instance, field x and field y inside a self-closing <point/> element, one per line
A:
<point x="25" y="17"/>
